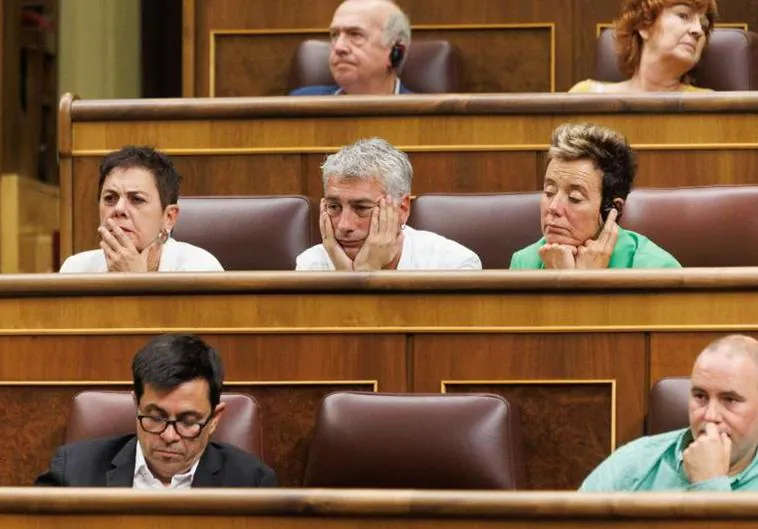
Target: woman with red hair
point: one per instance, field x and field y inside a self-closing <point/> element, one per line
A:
<point x="658" y="42"/>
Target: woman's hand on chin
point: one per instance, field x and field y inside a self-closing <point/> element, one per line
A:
<point x="122" y="256"/>
<point x="558" y="256"/>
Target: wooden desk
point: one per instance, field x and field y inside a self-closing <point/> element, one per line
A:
<point x="576" y="351"/>
<point x="373" y="509"/>
<point x="464" y="144"/>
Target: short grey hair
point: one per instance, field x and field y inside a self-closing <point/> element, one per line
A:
<point x="368" y="159"/>
<point x="397" y="29"/>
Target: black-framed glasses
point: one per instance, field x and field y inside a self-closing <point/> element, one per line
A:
<point x="186" y="428"/>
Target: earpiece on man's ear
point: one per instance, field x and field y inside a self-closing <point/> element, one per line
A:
<point x="397" y="53"/>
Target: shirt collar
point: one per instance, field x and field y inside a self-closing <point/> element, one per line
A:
<point x="340" y="91"/>
<point x="140" y="467"/>
<point x="685" y="438"/>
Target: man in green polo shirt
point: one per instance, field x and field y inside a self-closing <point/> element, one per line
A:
<point x="718" y="451"/>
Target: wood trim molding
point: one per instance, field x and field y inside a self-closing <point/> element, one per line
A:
<point x="482" y="508"/>
<point x="241" y="108"/>
<point x="413" y="330"/>
<point x="247" y="151"/>
<point x="230" y="384"/>
<point x="495" y="282"/>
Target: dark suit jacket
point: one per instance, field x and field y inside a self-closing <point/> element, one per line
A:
<point x="109" y="462"/>
<point x="328" y="90"/>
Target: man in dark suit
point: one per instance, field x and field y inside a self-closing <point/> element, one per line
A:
<point x="177" y="389"/>
<point x="369" y="42"/>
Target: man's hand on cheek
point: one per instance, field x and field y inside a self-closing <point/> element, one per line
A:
<point x="383" y="244"/>
<point x="708" y="456"/>
<point x="596" y="254"/>
<point x="336" y="253"/>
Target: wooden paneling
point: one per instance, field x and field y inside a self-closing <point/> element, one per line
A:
<point x="677" y="168"/>
<point x="556" y="416"/>
<point x="740" y="11"/>
<point x="84" y="202"/>
<point x="496" y="58"/>
<point x="556" y="419"/>
<point x="473" y="172"/>
<point x="575" y="24"/>
<point x="587" y="14"/>
<point x="510" y="59"/>
<point x="254" y="64"/>
<point x="247" y="357"/>
<point x="267" y="174"/>
<point x="314" y="182"/>
<point x="37" y="416"/>
<point x="526" y="131"/>
<point x="288" y="374"/>
<point x="672" y="354"/>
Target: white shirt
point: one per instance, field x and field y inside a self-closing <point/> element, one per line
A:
<point x="144" y="479"/>
<point x="175" y="257"/>
<point x="422" y="250"/>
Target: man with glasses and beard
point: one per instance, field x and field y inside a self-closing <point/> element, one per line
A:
<point x="177" y="391"/>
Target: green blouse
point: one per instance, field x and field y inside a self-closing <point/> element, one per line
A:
<point x="632" y="250"/>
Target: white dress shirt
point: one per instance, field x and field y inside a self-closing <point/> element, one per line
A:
<point x="422" y="250"/>
<point x="176" y="256"/>
<point x="145" y="480"/>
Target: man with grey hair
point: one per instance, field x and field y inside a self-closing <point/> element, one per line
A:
<point x="718" y="450"/>
<point x="369" y="42"/>
<point x="367" y="187"/>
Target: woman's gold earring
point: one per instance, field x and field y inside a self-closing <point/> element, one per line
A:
<point x="163" y="236"/>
